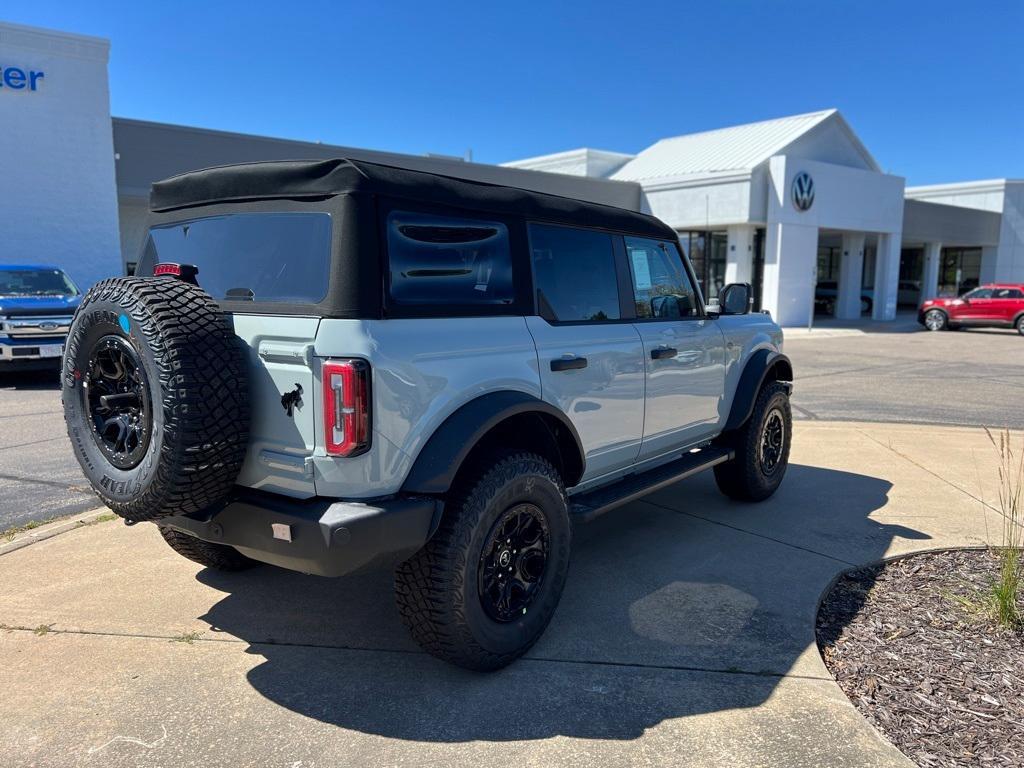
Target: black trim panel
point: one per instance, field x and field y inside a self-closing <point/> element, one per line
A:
<point x="438" y="462"/>
<point x="754" y="374"/>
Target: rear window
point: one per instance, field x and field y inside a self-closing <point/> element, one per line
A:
<point x="448" y="260"/>
<point x="263" y="257"/>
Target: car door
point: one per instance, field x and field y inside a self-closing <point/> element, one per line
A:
<point x="589" y="354"/>
<point x="1005" y="303"/>
<point x="684" y="351"/>
<point x="976" y="306"/>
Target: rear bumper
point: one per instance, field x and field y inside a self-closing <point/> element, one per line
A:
<point x="329" y="537"/>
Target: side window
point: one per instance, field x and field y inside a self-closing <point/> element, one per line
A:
<point x="574" y="273"/>
<point x="448" y="260"/>
<point x="979" y="293"/>
<point x="661" y="285"/>
<point x="1014" y="293"/>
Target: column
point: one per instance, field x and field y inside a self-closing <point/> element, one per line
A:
<point x="851" y="271"/>
<point x="930" y="273"/>
<point x="790" y="260"/>
<point x="887" y="276"/>
<point x="989" y="272"/>
<point x="739" y="254"/>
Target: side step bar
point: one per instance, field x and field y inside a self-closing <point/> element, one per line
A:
<point x="587" y="506"/>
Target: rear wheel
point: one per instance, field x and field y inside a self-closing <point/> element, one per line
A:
<point x="935" y="320"/>
<point x="1020" y="325"/>
<point x="484" y="588"/>
<point x="216" y="556"/>
<point x="761" y="446"/>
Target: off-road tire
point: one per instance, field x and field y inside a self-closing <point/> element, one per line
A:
<point x="437" y="588"/>
<point x="743" y="477"/>
<point x="194" y="373"/>
<point x="219" y="557"/>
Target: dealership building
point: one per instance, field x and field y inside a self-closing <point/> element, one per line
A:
<point x="797" y="206"/>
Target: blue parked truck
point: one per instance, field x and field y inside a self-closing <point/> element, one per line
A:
<point x="36" y="306"/>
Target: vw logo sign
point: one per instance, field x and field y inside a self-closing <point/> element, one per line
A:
<point x="803" y="191"/>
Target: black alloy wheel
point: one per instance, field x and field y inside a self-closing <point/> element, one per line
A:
<point x="118" y="403"/>
<point x="512" y="562"/>
<point x="772" y="443"/>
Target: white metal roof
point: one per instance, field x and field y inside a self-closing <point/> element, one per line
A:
<point x="738" y="148"/>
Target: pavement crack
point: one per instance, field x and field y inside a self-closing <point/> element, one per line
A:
<point x="732" y="670"/>
<point x="752" y="533"/>
<point x="31" y="442"/>
<point x="48" y="483"/>
<point x="934" y="474"/>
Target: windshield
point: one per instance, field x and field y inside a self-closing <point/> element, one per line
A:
<point x="35" y="282"/>
<point x="273" y="257"/>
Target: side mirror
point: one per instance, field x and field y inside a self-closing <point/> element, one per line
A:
<point x="666" y="306"/>
<point x="735" y="299"/>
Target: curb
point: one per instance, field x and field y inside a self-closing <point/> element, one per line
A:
<point x="48" y="531"/>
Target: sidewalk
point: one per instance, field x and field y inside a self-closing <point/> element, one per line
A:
<point x="830" y="327"/>
<point x="685" y="636"/>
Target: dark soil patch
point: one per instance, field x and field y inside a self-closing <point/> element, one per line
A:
<point x="939" y="679"/>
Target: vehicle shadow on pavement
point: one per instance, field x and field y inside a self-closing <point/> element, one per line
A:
<point x="681" y="604"/>
<point x="31" y="380"/>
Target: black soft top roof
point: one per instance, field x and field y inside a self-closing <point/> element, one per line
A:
<point x="319" y="179"/>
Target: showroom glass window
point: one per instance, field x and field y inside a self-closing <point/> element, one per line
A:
<point x="277" y="257"/>
<point x="448" y="260"/>
<point x="574" y="274"/>
<point x="661" y="286"/>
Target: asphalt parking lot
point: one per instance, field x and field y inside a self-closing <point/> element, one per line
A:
<point x="896" y="372"/>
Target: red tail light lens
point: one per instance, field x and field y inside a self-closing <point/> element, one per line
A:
<point x="167" y="269"/>
<point x="346" y="407"/>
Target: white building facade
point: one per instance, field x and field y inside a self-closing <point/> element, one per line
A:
<point x="58" y="195"/>
<point x="797" y="206"/>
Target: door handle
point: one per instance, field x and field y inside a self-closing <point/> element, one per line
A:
<point x="568" y="363"/>
<point x="662" y="352"/>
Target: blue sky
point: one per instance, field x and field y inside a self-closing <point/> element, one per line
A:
<point x="934" y="89"/>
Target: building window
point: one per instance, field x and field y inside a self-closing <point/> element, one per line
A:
<point x="960" y="270"/>
<point x="707" y="253"/>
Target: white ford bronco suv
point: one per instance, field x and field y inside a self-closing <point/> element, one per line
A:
<point x="337" y="365"/>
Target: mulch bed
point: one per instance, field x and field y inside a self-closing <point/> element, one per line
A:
<point x="940" y="680"/>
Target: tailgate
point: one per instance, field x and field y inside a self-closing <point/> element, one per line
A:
<point x="280" y="354"/>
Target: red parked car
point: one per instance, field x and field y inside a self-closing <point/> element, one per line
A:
<point x="998" y="305"/>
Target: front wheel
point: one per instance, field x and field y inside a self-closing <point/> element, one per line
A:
<point x="761" y="446"/>
<point x="1020" y="325"/>
<point x="935" y="320"/>
<point x="483" y="589"/>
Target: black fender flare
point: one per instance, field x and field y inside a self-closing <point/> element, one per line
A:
<point x="438" y="462"/>
<point x="763" y="365"/>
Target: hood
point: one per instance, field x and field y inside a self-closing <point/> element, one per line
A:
<point x="39" y="305"/>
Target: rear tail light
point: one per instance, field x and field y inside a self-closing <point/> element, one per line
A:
<point x="186" y="272"/>
<point x="346" y="407"/>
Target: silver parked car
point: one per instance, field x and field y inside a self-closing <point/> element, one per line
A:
<point x="331" y="366"/>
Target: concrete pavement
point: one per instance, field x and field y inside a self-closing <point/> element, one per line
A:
<point x="873" y="371"/>
<point x="685" y="636"/>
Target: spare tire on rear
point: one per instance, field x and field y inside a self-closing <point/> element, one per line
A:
<point x="155" y="397"/>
